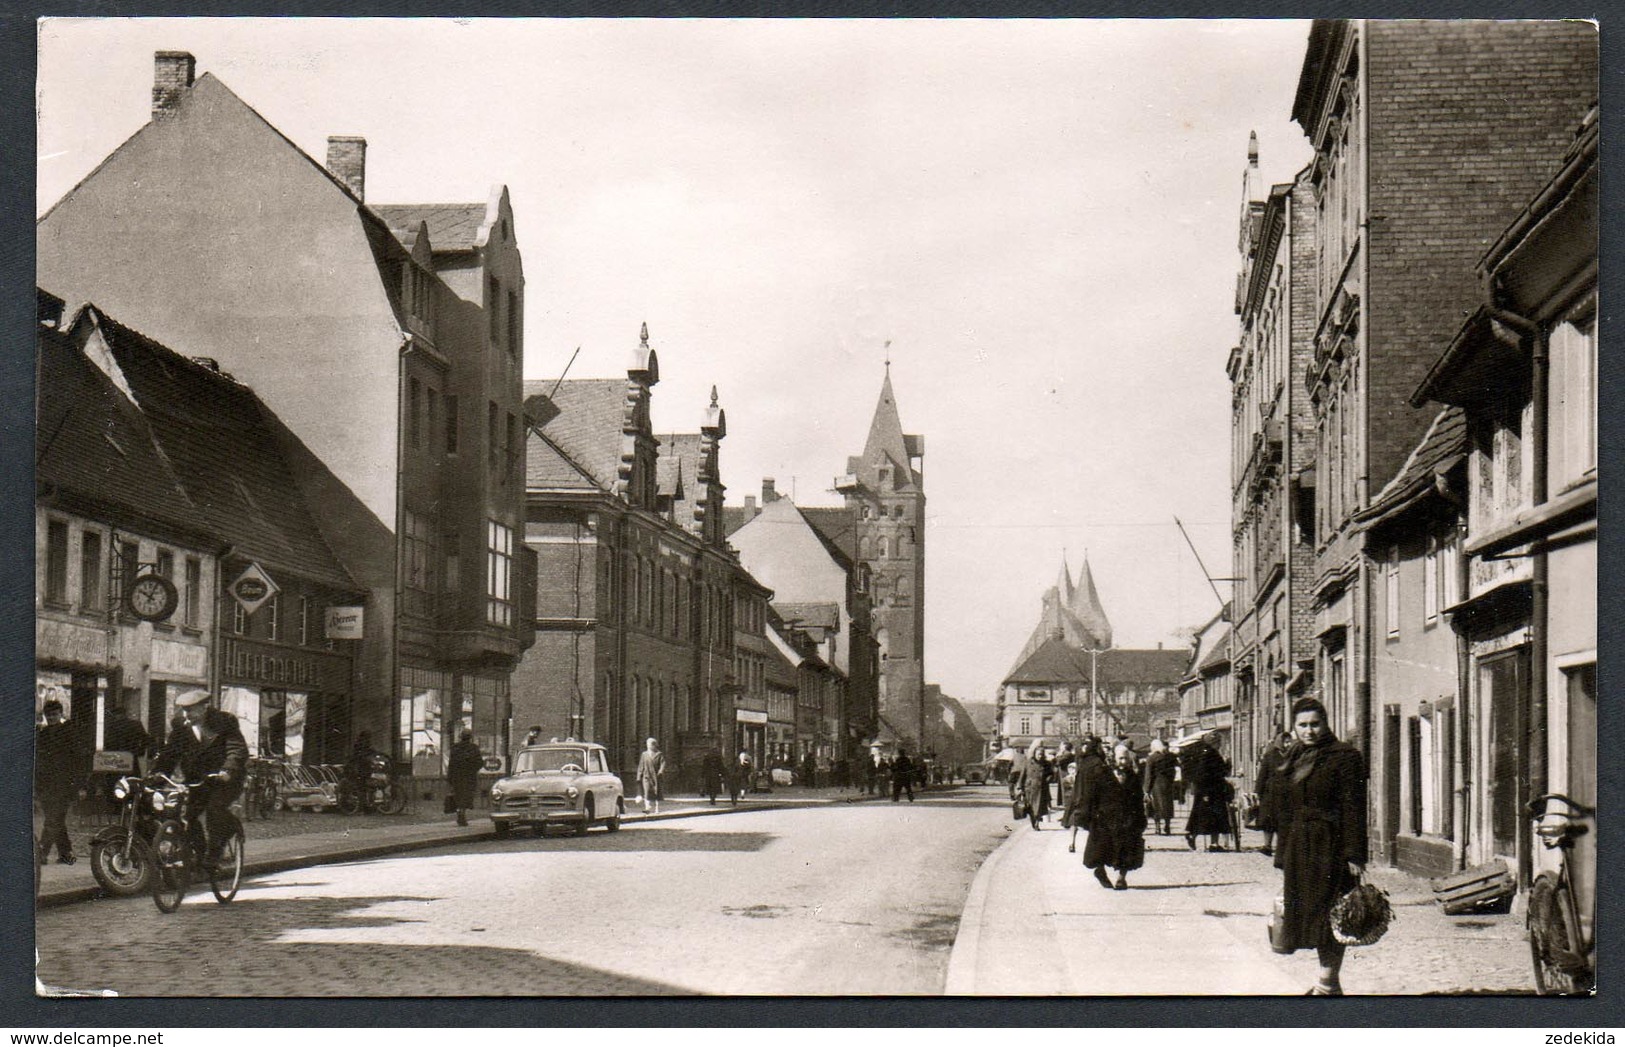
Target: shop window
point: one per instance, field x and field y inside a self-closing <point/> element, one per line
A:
<point x="56" y="562"/>
<point x="482" y="708"/>
<point x="90" y="571"/>
<point x="423" y="698"/>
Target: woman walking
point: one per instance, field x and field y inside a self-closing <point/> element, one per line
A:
<point x="1088" y="764"/>
<point x="1113" y="806"/>
<point x="463" y="765"/>
<point x="651" y="767"/>
<point x="1206" y="772"/>
<point x="1321" y="844"/>
<point x="1034" y="782"/>
<point x="1159" y="786"/>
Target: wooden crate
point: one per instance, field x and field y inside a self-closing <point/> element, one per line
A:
<point x="1484" y="889"/>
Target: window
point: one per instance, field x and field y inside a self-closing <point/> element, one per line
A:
<point x="191" y="598"/>
<point x="417" y="563"/>
<point x="129" y="558"/>
<point x="1430" y="582"/>
<point x="1449" y="566"/>
<point x="423" y="698"/>
<point x="1391" y="599"/>
<point x="90" y="571"/>
<point x="499" y="565"/>
<point x="239" y="619"/>
<point x="1026" y="725"/>
<point x="451" y="424"/>
<point x="56" y="562"/>
<point x="273" y="617"/>
<point x="417" y="296"/>
<point x="510" y="449"/>
<point x="433" y="400"/>
<point x="451" y="577"/>
<point x="1572" y="394"/>
<point x="491" y="416"/>
<point x="513" y="323"/>
<point x="166" y="564"/>
<point x="414" y="418"/>
<point x="494" y="306"/>
<point x="304" y="620"/>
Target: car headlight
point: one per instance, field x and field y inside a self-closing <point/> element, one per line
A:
<point x="572" y="792"/>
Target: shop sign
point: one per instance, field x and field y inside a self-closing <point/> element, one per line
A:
<point x="249" y="663"/>
<point x="344" y="623"/>
<point x="171" y="658"/>
<point x="750" y="716"/>
<point x="105" y="762"/>
<point x="70" y="643"/>
<point x="252" y="588"/>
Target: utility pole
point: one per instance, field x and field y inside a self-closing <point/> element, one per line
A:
<point x="1094" y="686"/>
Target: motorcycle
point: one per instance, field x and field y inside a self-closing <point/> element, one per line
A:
<point x="120" y="857"/>
<point x="380" y="791"/>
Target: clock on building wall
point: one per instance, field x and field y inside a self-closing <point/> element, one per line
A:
<point x="151" y="598"/>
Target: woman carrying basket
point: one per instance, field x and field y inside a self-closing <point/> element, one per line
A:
<point x="1321" y="850"/>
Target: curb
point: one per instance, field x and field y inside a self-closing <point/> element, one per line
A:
<point x="363" y="852"/>
<point x="961" y="979"/>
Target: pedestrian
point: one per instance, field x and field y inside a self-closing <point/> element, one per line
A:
<point x="1113" y="806"/>
<point x="534" y="735"/>
<point x="711" y="772"/>
<point x="207" y="746"/>
<point x="1059" y="765"/>
<point x="1207" y="772"/>
<point x="1321" y="811"/>
<point x="1034" y="783"/>
<point x="60" y="768"/>
<point x="1159" y="771"/>
<point x="902" y="776"/>
<point x="744" y="774"/>
<point x="463" y="773"/>
<point x="809" y="770"/>
<point x="1267" y="783"/>
<point x="651" y="767"/>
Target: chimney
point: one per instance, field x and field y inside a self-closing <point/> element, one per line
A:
<point x="172" y="75"/>
<point x="769" y="495"/>
<point x="347" y="161"/>
<point x="750" y="504"/>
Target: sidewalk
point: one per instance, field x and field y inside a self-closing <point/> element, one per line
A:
<point x="293" y="840"/>
<point x="1036" y="924"/>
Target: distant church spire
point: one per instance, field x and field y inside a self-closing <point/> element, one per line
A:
<point x="886" y="435"/>
<point x="1085" y="606"/>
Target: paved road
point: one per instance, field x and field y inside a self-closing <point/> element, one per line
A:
<point x="860" y="899"/>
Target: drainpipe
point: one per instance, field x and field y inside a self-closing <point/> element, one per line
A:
<point x="1366" y="656"/>
<point x="1539" y="360"/>
<point x="1462" y="755"/>
<point x="392" y="699"/>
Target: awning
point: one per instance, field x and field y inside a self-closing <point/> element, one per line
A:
<point x="1007" y="754"/>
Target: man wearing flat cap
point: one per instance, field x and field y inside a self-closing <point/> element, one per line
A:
<point x="207" y="745"/>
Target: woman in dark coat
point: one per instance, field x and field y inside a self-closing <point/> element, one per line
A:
<point x="1113" y="806"/>
<point x="463" y="773"/>
<point x="1088" y="764"/>
<point x="1159" y="786"/>
<point x="1321" y="847"/>
<point x="1206" y="771"/>
<point x="1268" y="783"/>
<point x="1034" y="783"/>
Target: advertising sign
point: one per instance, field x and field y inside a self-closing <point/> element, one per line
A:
<point x="344" y="623"/>
<point x="252" y="588"/>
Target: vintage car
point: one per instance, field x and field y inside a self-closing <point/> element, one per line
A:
<point x="566" y="783"/>
<point x="976" y="774"/>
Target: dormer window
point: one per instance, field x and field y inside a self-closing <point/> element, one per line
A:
<point x="417" y="297"/>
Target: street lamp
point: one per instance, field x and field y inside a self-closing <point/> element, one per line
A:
<point x="1094" y="684"/>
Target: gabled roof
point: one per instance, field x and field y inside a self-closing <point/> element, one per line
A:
<point x="590" y="423"/>
<point x="1439" y="450"/>
<point x="1147" y="666"/>
<point x="1052" y="662"/>
<point x="678" y="473"/>
<point x="1219" y="656"/>
<point x="736" y="516"/>
<point x="452" y="227"/>
<point x="547" y="468"/>
<point x="825" y="616"/>
<point x="216" y="434"/>
<point x="837" y="526"/>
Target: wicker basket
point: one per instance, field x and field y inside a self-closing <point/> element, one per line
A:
<point x="1362" y="916"/>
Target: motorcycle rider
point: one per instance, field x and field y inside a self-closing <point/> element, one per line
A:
<point x="207" y="745"/>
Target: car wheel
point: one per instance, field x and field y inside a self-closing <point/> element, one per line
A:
<point x="614" y="823"/>
<point x="502" y="828"/>
<point x="588" y="814"/>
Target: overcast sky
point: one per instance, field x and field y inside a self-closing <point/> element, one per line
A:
<point x="1040" y="216"/>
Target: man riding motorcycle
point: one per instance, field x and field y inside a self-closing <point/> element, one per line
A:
<point x="208" y="746"/>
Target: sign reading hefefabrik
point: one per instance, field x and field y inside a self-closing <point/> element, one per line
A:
<point x="252" y="588"/>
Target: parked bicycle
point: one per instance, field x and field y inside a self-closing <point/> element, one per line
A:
<point x="178" y="847"/>
<point x="262" y="790"/>
<point x="1561" y="945"/>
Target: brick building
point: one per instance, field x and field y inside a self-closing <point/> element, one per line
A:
<point x="1429" y="137"/>
<point x="1272" y="456"/>
<point x="396" y="365"/>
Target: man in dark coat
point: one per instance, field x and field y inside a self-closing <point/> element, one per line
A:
<point x="1113" y="806"/>
<point x="711" y="772"/>
<point x="463" y="765"/>
<point x="902" y="776"/>
<point x="1206" y="771"/>
<point x="206" y="745"/>
<point x="1159" y="770"/>
<point x="1267" y="783"/>
<point x="60" y="768"/>
<point x="1322" y="846"/>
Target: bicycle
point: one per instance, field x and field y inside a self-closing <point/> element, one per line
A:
<point x="1563" y="953"/>
<point x="176" y="844"/>
<point x="261" y="797"/>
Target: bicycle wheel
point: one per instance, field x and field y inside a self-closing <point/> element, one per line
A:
<point x="1561" y="969"/>
<point x="227" y="874"/>
<point x="395" y="801"/>
<point x="169" y="886"/>
<point x="270" y="801"/>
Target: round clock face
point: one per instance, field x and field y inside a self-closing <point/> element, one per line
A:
<point x="152" y="597"/>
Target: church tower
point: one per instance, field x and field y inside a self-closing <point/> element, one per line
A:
<point x="885" y="493"/>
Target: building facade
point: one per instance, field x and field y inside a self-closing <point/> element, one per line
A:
<point x="401" y="387"/>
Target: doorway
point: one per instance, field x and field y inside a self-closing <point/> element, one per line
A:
<point x="1503" y="685"/>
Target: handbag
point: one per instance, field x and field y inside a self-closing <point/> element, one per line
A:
<point x="1018" y="807"/>
<point x="450" y="805"/>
